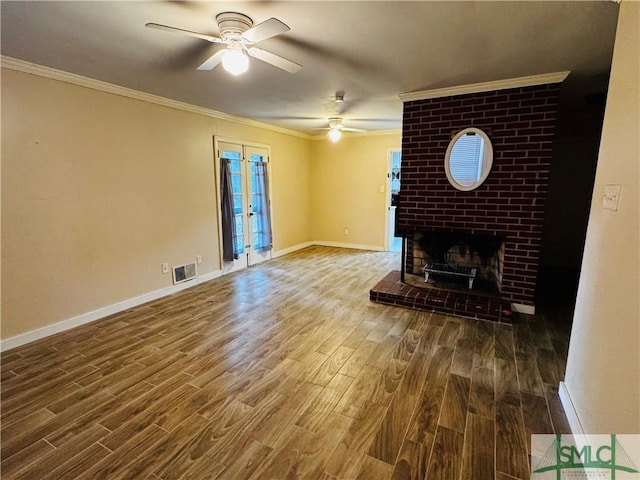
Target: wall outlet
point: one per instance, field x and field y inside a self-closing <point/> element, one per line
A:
<point x="346" y="232"/>
<point x="165" y="268"/>
<point x="199" y="258"/>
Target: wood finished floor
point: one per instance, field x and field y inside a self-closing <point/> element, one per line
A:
<point x="283" y="371"/>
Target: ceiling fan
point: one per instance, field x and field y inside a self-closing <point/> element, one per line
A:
<point x="336" y="127"/>
<point x="239" y="36"/>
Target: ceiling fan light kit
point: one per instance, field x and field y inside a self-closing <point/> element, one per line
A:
<point x="334" y="134"/>
<point x="336" y="122"/>
<point x="232" y="24"/>
<point x="336" y="127"/>
<point x="235" y="61"/>
<point x="239" y="36"/>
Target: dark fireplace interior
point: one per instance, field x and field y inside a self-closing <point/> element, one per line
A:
<point x="445" y="251"/>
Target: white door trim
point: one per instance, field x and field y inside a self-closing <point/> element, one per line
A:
<point x="387" y="218"/>
<point x="217" y="140"/>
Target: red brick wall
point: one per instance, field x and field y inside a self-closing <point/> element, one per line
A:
<point x="520" y="123"/>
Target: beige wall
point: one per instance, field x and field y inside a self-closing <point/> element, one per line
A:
<point x="345" y="192"/>
<point x="603" y="369"/>
<point x="98" y="190"/>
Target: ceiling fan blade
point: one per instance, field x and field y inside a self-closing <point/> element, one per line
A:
<point x="267" y="29"/>
<point x="347" y="129"/>
<point x="275" y="60"/>
<point x="213" y="60"/>
<point x="188" y="33"/>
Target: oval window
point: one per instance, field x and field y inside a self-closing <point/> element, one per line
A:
<point x="469" y="158"/>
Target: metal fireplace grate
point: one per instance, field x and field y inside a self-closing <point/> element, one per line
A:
<point x="444" y="269"/>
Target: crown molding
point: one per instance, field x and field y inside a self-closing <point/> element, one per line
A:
<point x="54" y="74"/>
<point x="373" y="133"/>
<point x="529" y="81"/>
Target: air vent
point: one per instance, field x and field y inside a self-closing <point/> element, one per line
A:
<point x="183" y="273"/>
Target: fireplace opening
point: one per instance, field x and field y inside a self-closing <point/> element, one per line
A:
<point x="458" y="261"/>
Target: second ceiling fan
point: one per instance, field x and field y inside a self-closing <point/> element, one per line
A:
<point x="239" y="36"/>
<point x="336" y="127"/>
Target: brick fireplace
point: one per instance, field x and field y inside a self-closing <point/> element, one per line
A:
<point x="509" y="205"/>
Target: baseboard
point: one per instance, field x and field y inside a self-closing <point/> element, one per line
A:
<point x="320" y="243"/>
<point x="208" y="276"/>
<point x="375" y="248"/>
<point x="40" y="333"/>
<point x="520" y="308"/>
<point x="285" y="251"/>
<point x="570" y="410"/>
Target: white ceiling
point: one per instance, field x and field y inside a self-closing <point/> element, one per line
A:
<point x="372" y="51"/>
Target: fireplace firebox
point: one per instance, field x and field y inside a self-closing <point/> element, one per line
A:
<point x="447" y="259"/>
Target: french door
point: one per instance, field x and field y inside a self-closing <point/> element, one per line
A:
<point x="394" y="244"/>
<point x="245" y="207"/>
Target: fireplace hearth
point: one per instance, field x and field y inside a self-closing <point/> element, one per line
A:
<point x="392" y="291"/>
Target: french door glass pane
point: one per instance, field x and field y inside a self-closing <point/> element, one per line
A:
<point x="260" y="238"/>
<point x="236" y="182"/>
<point x="237" y="204"/>
<point x="239" y="241"/>
<point x="250" y="205"/>
<point x="235" y="167"/>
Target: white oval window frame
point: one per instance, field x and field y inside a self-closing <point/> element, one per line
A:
<point x="487" y="161"/>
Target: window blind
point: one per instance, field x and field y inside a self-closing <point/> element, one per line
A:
<point x="466" y="157"/>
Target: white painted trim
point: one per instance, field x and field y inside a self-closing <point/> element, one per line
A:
<point x="242" y="147"/>
<point x="570" y="410"/>
<point x="487" y="159"/>
<point x="209" y="276"/>
<point x="239" y="141"/>
<point x="294" y="248"/>
<point x="300" y="246"/>
<point x="373" y="133"/>
<point x="54" y="74"/>
<point x="356" y="246"/>
<point x="40" y="333"/>
<point x="387" y="204"/>
<point x="529" y="81"/>
<point x="521" y="308"/>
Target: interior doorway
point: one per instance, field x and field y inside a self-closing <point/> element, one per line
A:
<point x="394" y="244"/>
<point x="242" y="181"/>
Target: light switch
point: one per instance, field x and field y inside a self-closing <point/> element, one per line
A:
<point x="611" y="197"/>
<point x="381" y="188"/>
